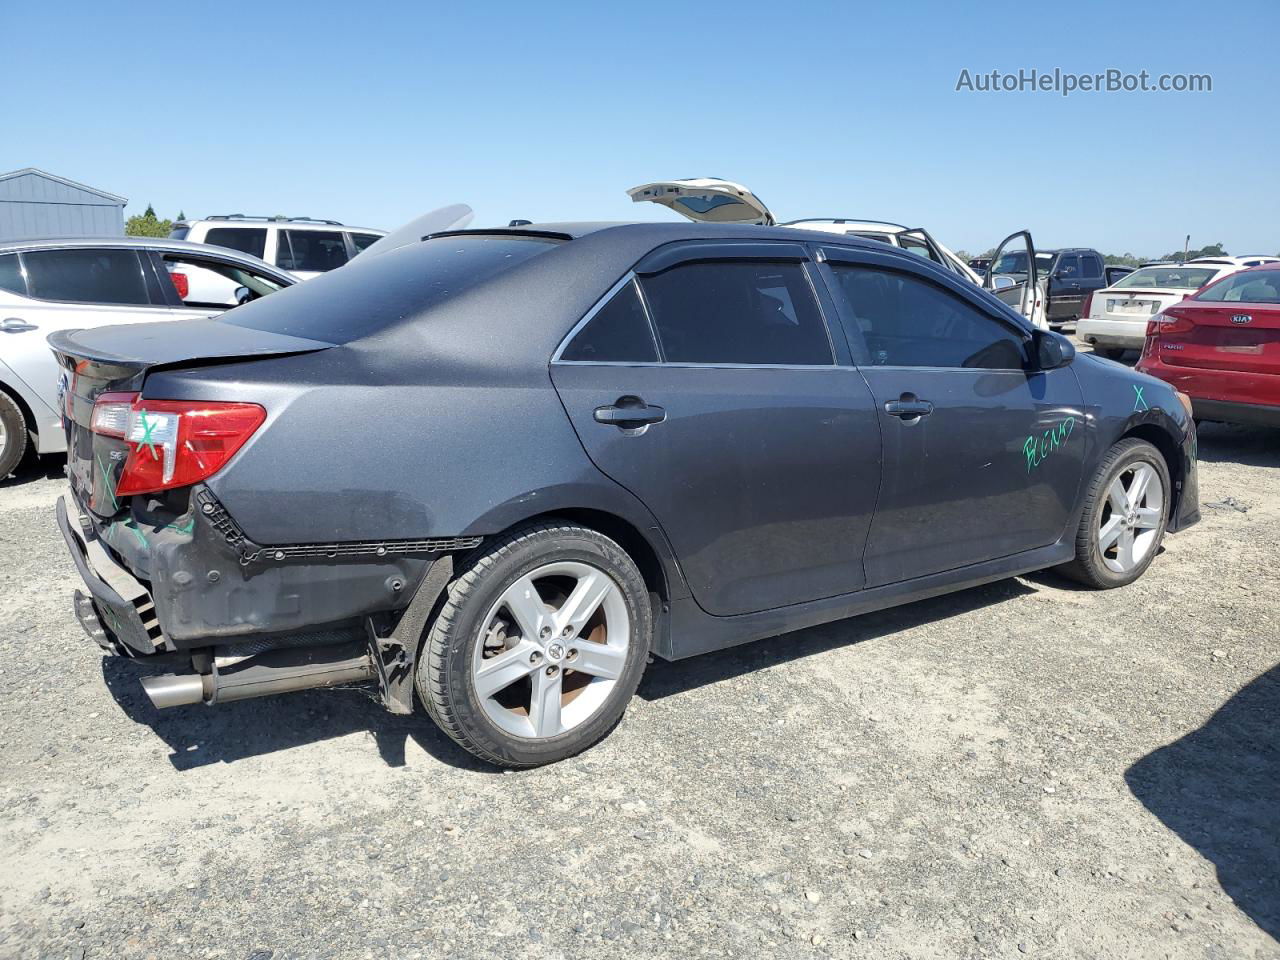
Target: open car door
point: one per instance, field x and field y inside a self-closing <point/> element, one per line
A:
<point x="706" y="200"/>
<point x="1013" y="277"/>
<point x="940" y="254"/>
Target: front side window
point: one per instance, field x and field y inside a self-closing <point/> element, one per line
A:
<point x="739" y="312"/>
<point x="310" y="251"/>
<point x="250" y="240"/>
<point x="1069" y="267"/>
<point x="86" y="276"/>
<point x="1014" y="263"/>
<point x="11" y="278"/>
<point x="913" y="245"/>
<point x="908" y="322"/>
<point x="618" y="333"/>
<point x="364" y="241"/>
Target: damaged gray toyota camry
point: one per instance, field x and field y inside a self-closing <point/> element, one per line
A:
<point x="504" y="469"/>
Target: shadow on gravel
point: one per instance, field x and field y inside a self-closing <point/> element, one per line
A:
<point x="1219" y="790"/>
<point x="1236" y="443"/>
<point x="666" y="679"/>
<point x="35" y="468"/>
<point x="199" y="736"/>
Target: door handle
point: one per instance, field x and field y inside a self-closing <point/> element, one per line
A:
<point x="16" y="325"/>
<point x="629" y="412"/>
<point x="908" y="408"/>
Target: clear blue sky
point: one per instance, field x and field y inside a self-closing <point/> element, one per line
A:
<point x="372" y="112"/>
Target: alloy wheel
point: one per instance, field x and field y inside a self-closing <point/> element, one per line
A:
<point x="1129" y="523"/>
<point x="551" y="649"/>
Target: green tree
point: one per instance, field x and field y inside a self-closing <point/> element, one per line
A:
<point x="1212" y="250"/>
<point x="147" y="225"/>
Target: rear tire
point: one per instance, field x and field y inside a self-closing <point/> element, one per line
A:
<point x="539" y="646"/>
<point x="1112" y="353"/>
<point x="1126" y="507"/>
<point x="13" y="435"/>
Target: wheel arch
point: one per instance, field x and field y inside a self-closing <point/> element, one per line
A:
<point x="33" y="430"/>
<point x="1167" y="444"/>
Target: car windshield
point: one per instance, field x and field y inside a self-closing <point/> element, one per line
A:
<point x="379" y="290"/>
<point x="1248" y="286"/>
<point x="1015" y="263"/>
<point x="1173" y="277"/>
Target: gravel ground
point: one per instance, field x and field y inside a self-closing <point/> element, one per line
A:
<point x="1021" y="769"/>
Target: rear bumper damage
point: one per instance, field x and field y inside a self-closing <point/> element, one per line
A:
<point x="252" y="620"/>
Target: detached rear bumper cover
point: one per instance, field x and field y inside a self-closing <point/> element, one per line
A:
<point x="199" y="582"/>
<point x="119" y="600"/>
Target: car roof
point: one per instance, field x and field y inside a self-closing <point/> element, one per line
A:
<point x="850" y="223"/>
<point x="162" y="244"/>
<point x="158" y="243"/>
<point x="541" y="296"/>
<point x="293" y="223"/>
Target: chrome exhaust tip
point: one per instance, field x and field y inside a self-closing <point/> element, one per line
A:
<point x="174" y="690"/>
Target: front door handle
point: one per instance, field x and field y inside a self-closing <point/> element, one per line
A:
<point x="629" y="413"/>
<point x="15" y="325"/>
<point x="908" y="408"/>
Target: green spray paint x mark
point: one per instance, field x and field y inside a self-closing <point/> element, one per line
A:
<point x="148" y="440"/>
<point x="187" y="527"/>
<point x="1035" y="449"/>
<point x="108" y="485"/>
<point x="137" y="534"/>
<point x="1138" y="402"/>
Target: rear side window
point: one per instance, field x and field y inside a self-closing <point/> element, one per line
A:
<point x="364" y="241"/>
<point x="618" y="333"/>
<point x="1090" y="266"/>
<point x="311" y="251"/>
<point x="179" y="233"/>
<point x="908" y="322"/>
<point x="86" y="276"/>
<point x="380" y="292"/>
<point x="250" y="240"/>
<point x="738" y="313"/>
<point x="1251" y="286"/>
<point x="11" y="274"/>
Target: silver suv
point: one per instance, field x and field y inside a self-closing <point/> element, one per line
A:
<point x="304" y="247"/>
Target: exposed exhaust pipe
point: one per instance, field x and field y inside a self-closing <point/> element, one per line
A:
<point x="276" y="671"/>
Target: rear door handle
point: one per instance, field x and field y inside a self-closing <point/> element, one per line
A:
<point x="16" y="325"/>
<point x="629" y="412"/>
<point x="908" y="407"/>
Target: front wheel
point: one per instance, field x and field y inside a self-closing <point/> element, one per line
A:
<point x="539" y="646"/>
<point x="1112" y="353"/>
<point x="1125" y="509"/>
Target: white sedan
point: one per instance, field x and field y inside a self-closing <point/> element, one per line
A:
<point x="1115" y="319"/>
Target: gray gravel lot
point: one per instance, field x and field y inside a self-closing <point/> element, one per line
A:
<point x="1021" y="769"/>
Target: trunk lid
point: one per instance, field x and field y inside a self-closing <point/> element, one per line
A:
<point x="117" y="359"/>
<point x="705" y="200"/>
<point x="1222" y="336"/>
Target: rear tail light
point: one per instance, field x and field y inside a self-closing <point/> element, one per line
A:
<point x="1088" y="306"/>
<point x="181" y="284"/>
<point x="173" y="443"/>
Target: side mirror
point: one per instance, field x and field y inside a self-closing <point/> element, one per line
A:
<point x="243" y="295"/>
<point x="1052" y="350"/>
<point x="1002" y="282"/>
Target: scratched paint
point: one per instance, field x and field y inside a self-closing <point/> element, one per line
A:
<point x="1036" y="449"/>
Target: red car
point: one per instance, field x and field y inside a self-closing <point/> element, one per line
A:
<point x="1222" y="346"/>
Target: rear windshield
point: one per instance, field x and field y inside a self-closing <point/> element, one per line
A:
<point x="1250" y="286"/>
<point x="375" y="292"/>
<point x="1173" y="278"/>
